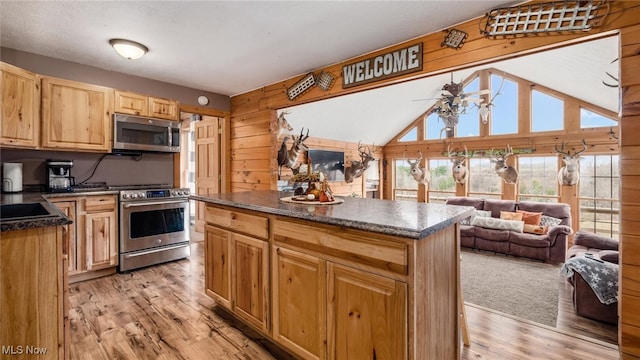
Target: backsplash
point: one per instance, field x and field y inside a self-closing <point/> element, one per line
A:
<point x="150" y="168"/>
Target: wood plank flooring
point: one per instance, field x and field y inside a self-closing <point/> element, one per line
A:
<point x="161" y="312"/>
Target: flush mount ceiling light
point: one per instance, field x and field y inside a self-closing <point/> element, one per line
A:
<point x="128" y="49"/>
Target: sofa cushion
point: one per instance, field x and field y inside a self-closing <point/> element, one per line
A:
<point x="611" y="256"/>
<point x="495" y="206"/>
<point x="508" y="215"/>
<point x="480" y="213"/>
<point x="549" y="221"/>
<point x="492" y="234"/>
<point x="465" y="201"/>
<point x="499" y="224"/>
<point x="467" y="230"/>
<point x="531" y="240"/>
<point x="531" y="218"/>
<point x="592" y="240"/>
<point x="557" y="210"/>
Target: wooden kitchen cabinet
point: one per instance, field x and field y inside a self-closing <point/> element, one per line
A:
<point x="76" y="116"/>
<point x="237" y="271"/>
<point x="92" y="240"/>
<point x="33" y="294"/>
<point x="20" y="106"/>
<point x="299" y="302"/>
<point x="142" y="105"/>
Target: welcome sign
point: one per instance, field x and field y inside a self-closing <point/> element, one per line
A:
<point x="395" y="63"/>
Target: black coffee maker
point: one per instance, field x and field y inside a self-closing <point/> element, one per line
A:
<point x="59" y="177"/>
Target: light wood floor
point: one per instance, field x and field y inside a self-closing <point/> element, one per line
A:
<point x="161" y="312"/>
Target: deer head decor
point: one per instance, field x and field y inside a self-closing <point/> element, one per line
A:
<point x="282" y="125"/>
<point x="289" y="157"/>
<point x="357" y="168"/>
<point x="508" y="173"/>
<point x="421" y="175"/>
<point x="459" y="169"/>
<point x="569" y="174"/>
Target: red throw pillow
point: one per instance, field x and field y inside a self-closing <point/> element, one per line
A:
<point x="531" y="218"/>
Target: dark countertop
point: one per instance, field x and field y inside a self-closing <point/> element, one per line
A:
<point x="400" y="218"/>
<point x="31" y="197"/>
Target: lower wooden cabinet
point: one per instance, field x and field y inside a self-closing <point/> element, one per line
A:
<point x="92" y="240"/>
<point x="237" y="274"/>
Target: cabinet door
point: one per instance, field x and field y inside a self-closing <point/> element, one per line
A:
<point x="69" y="239"/>
<point x="251" y="280"/>
<point x="163" y="108"/>
<point x="217" y="275"/>
<point x="130" y="103"/>
<point x="20" y="106"/>
<point x="299" y="298"/>
<point x="366" y="315"/>
<point x="76" y="116"/>
<point x="101" y="240"/>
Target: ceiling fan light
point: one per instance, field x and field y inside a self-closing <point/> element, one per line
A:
<point x="128" y="49"/>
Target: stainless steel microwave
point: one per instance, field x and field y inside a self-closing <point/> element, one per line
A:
<point x="139" y="133"/>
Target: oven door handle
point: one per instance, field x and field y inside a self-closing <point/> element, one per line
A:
<point x="147" y="252"/>
<point x="154" y="203"/>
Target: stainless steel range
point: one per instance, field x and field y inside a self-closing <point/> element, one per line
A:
<point x="154" y="227"/>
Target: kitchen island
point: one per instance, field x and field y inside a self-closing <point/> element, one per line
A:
<point x="364" y="279"/>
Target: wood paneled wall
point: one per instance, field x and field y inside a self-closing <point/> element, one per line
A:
<point x="253" y="147"/>
<point x="629" y="304"/>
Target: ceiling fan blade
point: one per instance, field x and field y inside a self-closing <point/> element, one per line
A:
<point x="481" y="92"/>
<point x="478" y="100"/>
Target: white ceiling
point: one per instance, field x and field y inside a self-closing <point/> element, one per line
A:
<point x="231" y="47"/>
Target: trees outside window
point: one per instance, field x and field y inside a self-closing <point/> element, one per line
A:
<point x="538" y="180"/>
<point x="442" y="184"/>
<point x="599" y="194"/>
<point x="483" y="180"/>
<point x="405" y="187"/>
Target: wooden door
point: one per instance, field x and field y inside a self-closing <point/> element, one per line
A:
<point x="208" y="175"/>
<point x="131" y="103"/>
<point x="101" y="240"/>
<point x="217" y="273"/>
<point x="250" y="272"/>
<point x="366" y="315"/>
<point x="76" y="116"/>
<point x="69" y="238"/>
<point x="299" y="300"/>
<point x="20" y="106"/>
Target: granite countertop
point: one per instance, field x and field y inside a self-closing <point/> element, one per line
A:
<point x="33" y="197"/>
<point x="400" y="218"/>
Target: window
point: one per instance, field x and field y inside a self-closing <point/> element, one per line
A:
<point x="411" y="135"/>
<point x="483" y="180"/>
<point x="434" y="127"/>
<point x="504" y="109"/>
<point x="442" y="184"/>
<point x="469" y="122"/>
<point x="406" y="188"/>
<point x="547" y="112"/>
<point x="589" y="119"/>
<point x="599" y="194"/>
<point x="538" y="178"/>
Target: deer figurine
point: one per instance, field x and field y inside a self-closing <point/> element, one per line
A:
<point x="282" y="125"/>
<point x="459" y="169"/>
<point x="357" y="168"/>
<point x="569" y="174"/>
<point x="421" y="175"/>
<point x="507" y="172"/>
<point x="289" y="157"/>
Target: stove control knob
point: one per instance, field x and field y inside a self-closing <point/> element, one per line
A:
<point x="134" y="195"/>
<point x="141" y="195"/>
<point x="125" y="196"/>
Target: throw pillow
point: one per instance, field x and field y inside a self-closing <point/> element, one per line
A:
<point x="549" y="221"/>
<point x="508" y="215"/>
<point x="480" y="213"/>
<point x="534" y="229"/>
<point x="499" y="224"/>
<point x="532" y="218"/>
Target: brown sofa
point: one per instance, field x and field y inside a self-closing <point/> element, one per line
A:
<point x="585" y="300"/>
<point x="549" y="247"/>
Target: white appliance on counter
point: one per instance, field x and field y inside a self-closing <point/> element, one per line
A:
<point x="11" y="177"/>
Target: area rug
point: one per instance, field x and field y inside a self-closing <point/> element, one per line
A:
<point x="523" y="288"/>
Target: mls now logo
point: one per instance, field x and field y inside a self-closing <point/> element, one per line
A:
<point x="20" y="350"/>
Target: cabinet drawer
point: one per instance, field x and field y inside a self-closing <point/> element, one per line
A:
<point x="257" y="226"/>
<point x="381" y="251"/>
<point x="100" y="203"/>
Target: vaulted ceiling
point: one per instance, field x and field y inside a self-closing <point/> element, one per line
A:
<point x="231" y="47"/>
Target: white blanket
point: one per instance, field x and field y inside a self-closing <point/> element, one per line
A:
<point x="601" y="275"/>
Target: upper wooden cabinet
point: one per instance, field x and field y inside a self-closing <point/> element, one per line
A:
<point x="20" y="104"/>
<point x="76" y="116"/>
<point x="143" y="105"/>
